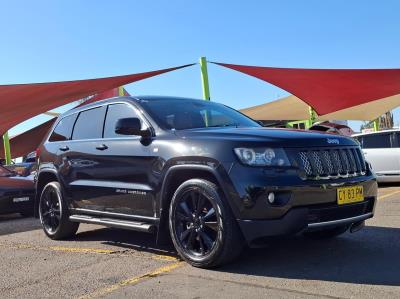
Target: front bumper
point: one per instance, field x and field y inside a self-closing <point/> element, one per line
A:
<point x="309" y="218"/>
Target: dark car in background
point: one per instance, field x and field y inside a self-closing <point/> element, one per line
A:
<point x="23" y="169"/>
<point x="200" y="173"/>
<point x="17" y="193"/>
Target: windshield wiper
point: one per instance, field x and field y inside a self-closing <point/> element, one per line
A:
<point x="224" y="125"/>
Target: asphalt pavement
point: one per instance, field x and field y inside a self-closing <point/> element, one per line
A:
<point x="109" y="263"/>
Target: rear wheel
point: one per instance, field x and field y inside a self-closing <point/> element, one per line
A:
<point x="202" y="227"/>
<point x="327" y="233"/>
<point x="54" y="215"/>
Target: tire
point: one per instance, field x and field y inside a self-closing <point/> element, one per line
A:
<point x="54" y="214"/>
<point x="327" y="233"/>
<point x="203" y="230"/>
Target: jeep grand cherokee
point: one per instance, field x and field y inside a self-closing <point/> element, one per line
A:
<point x="200" y="172"/>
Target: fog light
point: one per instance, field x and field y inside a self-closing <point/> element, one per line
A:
<point x="271" y="197"/>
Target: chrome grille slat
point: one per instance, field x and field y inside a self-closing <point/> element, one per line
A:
<point x="361" y="157"/>
<point x="318" y="164"/>
<point x="350" y="156"/>
<point x="332" y="163"/>
<point x="306" y="163"/>
<point x="345" y="161"/>
<point x="337" y="161"/>
<point x="327" y="158"/>
<point x="357" y="160"/>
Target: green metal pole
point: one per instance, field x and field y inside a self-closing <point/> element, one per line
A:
<point x="313" y="116"/>
<point x="376" y="125"/>
<point x="204" y="78"/>
<point x="7" y="151"/>
<point x="121" y="92"/>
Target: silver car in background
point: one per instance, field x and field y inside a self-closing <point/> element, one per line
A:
<point x="382" y="150"/>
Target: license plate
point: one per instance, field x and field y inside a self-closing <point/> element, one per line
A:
<point x="350" y="195"/>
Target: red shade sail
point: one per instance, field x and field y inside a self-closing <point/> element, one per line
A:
<point x="23" y="101"/>
<point x="27" y="142"/>
<point x="105" y="95"/>
<point x="329" y="90"/>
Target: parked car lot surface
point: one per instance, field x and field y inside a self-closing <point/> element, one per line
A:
<point x="112" y="263"/>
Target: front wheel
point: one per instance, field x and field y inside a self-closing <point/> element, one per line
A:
<point x="202" y="227"/>
<point x="54" y="214"/>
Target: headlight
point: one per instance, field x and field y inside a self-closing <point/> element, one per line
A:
<point x="262" y="156"/>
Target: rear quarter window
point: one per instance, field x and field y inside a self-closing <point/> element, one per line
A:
<point x="63" y="129"/>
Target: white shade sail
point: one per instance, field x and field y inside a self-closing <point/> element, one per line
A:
<point x="292" y="108"/>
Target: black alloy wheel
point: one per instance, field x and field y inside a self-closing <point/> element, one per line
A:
<point x="54" y="214"/>
<point x="196" y="223"/>
<point x="50" y="210"/>
<point x="202" y="227"/>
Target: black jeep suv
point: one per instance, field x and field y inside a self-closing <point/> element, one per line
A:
<point x="200" y="172"/>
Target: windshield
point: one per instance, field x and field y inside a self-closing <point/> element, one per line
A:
<point x="181" y="114"/>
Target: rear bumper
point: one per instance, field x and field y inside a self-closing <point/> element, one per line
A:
<point x="302" y="219"/>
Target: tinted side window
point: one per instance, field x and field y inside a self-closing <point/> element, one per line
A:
<point x="376" y="141"/>
<point x="115" y="112"/>
<point x="89" y="124"/>
<point x="63" y="130"/>
<point x="396" y="139"/>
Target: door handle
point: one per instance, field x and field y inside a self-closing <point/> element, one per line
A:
<point x="102" y="147"/>
<point x="64" y="148"/>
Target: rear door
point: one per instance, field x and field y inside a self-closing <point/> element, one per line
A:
<point x="380" y="151"/>
<point x="81" y="167"/>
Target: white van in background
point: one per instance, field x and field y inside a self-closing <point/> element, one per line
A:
<point x="382" y="150"/>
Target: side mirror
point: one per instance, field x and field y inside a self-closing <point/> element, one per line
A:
<point x="260" y="122"/>
<point x="131" y="126"/>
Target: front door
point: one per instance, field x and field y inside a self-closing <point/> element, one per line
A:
<point x="125" y="166"/>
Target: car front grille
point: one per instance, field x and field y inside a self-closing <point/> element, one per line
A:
<point x="332" y="163"/>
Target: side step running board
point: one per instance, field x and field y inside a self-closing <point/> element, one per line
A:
<point x="133" y="225"/>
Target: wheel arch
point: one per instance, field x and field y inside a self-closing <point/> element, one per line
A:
<point x="173" y="178"/>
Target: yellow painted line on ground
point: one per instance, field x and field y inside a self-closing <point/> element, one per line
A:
<point x="165" y="258"/>
<point x="388" y="195"/>
<point x="82" y="250"/>
<point x="159" y="257"/>
<point x="133" y="280"/>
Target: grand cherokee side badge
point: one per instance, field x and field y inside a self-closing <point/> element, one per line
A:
<point x="333" y="141"/>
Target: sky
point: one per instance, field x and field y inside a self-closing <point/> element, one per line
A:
<point x="60" y="40"/>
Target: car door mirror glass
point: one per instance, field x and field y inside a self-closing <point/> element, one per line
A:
<point x="130" y="126"/>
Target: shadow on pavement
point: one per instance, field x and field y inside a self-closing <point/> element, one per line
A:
<point x="14" y="223"/>
<point x="126" y="239"/>
<point x="371" y="256"/>
<point x="388" y="185"/>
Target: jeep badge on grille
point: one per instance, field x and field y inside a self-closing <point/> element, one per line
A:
<point x="332" y="141"/>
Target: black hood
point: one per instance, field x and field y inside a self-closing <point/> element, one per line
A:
<point x="271" y="136"/>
